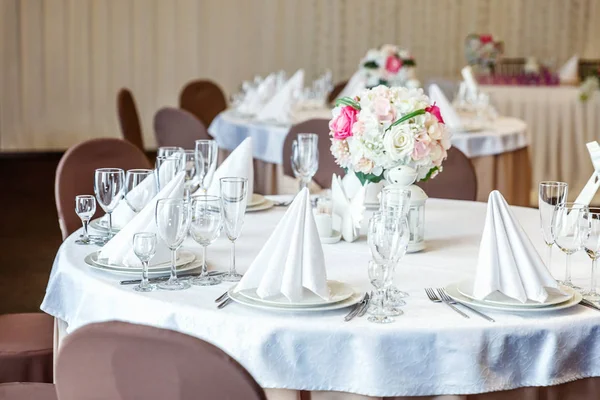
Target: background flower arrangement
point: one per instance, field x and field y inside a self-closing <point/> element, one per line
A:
<point x="389" y="65"/>
<point x="483" y="51"/>
<point x="383" y="128"/>
<point x="589" y="86"/>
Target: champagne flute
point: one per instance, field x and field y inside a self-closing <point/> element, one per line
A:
<point x="167" y="151"/>
<point x="207" y="152"/>
<point x="305" y="157"/>
<point x="109" y="187"/>
<point x="568" y="233"/>
<point x="166" y="169"/>
<point x="173" y="221"/>
<point x="591" y="245"/>
<point x="138" y="190"/>
<point x="234" y="193"/>
<point x="551" y="194"/>
<point x="85" y="207"/>
<point x="191" y="166"/>
<point x="205" y="229"/>
<point x="144" y="247"/>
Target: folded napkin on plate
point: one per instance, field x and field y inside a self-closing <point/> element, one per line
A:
<point x="355" y="85"/>
<point x="292" y="259"/>
<point x="140" y="194"/>
<point x="347" y="211"/>
<point x="451" y="118"/>
<point x="508" y="262"/>
<point x="119" y="250"/>
<point x="238" y="164"/>
<point x="569" y="72"/>
<point x="280" y="107"/>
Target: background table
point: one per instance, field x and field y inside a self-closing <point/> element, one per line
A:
<point x="429" y="350"/>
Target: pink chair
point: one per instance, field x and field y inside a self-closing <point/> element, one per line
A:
<point x="75" y="174"/>
<point x="129" y="119"/>
<point x="27" y="391"/>
<point x="327" y="165"/>
<point x="175" y="127"/>
<point x="122" y="361"/>
<point x="204" y="99"/>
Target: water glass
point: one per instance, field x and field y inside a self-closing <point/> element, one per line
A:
<point x="305" y="157"/>
<point x="551" y="194"/>
<point x="395" y="198"/>
<point x="568" y="233"/>
<point x="166" y="169"/>
<point x="144" y="247"/>
<point x="109" y="186"/>
<point x="138" y="194"/>
<point x="234" y="193"/>
<point x="173" y="221"/>
<point x="205" y="228"/>
<point x="85" y="207"/>
<point x="207" y="152"/>
<point x="167" y="151"/>
<point x="591" y="245"/>
<point x="191" y="167"/>
<point x="379" y="274"/>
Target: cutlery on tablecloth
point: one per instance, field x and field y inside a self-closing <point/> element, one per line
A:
<point x="222" y="297"/>
<point x="225" y="303"/>
<point x="365" y="306"/>
<point x="166" y="277"/>
<point x="357" y="307"/>
<point x="433" y="297"/>
<point x="589" y="304"/>
<point x="450" y="300"/>
<point x="282" y="203"/>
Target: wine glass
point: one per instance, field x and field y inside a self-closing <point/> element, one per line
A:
<point x="167" y="151"/>
<point x="207" y="152"/>
<point x="191" y="167"/>
<point x="591" y="245"/>
<point x="109" y="187"/>
<point x="234" y="193"/>
<point x="138" y="190"/>
<point x="550" y="195"/>
<point x="378" y="276"/>
<point x="144" y="247"/>
<point x="166" y="169"/>
<point x="305" y="157"/>
<point x="205" y="229"/>
<point x="173" y="221"/>
<point x="568" y="233"/>
<point x="85" y="207"/>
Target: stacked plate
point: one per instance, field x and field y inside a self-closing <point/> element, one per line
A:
<point x="101" y="225"/>
<point x="258" y="202"/>
<point x="463" y="292"/>
<point x="185" y="262"/>
<point x="341" y="295"/>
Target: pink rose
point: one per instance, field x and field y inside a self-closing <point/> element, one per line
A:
<point x="393" y="64"/>
<point x="364" y="165"/>
<point x="435" y="111"/>
<point x="383" y="109"/>
<point x="485" y="39"/>
<point x="423" y="137"/>
<point x="420" y="151"/>
<point x="358" y="129"/>
<point x="341" y="126"/>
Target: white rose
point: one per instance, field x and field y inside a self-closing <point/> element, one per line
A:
<point x="399" y="142"/>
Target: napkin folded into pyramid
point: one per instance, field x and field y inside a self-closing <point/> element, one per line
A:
<point x="256" y="97"/>
<point x="449" y="114"/>
<point x="355" y="85"/>
<point x="119" y="250"/>
<point x="292" y="259"/>
<point x="238" y="164"/>
<point x="139" y="195"/>
<point x="280" y="107"/>
<point x="347" y="211"/>
<point x="569" y="72"/>
<point x="508" y="262"/>
<point x="470" y="82"/>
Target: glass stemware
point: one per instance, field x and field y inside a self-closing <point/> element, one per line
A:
<point x="192" y="167"/>
<point x="207" y="152"/>
<point x="550" y="195"/>
<point x="109" y="185"/>
<point x="138" y="194"/>
<point x="144" y="247"/>
<point x="234" y="193"/>
<point x="205" y="229"/>
<point x="173" y="221"/>
<point x="85" y="207"/>
<point x="167" y="151"/>
<point x="305" y="157"/>
<point x="378" y="276"/>
<point x="568" y="233"/>
<point x="166" y="169"/>
<point x="591" y="245"/>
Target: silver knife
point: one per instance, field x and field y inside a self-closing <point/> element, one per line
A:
<point x="166" y="277"/>
<point x="356" y="309"/>
<point x="225" y="303"/>
<point x="365" y="306"/>
<point x="222" y="297"/>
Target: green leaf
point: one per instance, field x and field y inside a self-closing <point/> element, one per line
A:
<point x="371" y="65"/>
<point x="430" y="173"/>
<point x="364" y="178"/>
<point x="406" y="118"/>
<point x="347" y="101"/>
<point x="409" y="62"/>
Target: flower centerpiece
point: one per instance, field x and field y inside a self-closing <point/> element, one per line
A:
<point x="483" y="52"/>
<point x="389" y="65"/>
<point x="590" y="84"/>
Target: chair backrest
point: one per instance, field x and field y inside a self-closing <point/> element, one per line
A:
<point x="457" y="181"/>
<point x="510" y="67"/>
<point x="337" y="89"/>
<point x="327" y="165"/>
<point x="204" y="99"/>
<point x="75" y="174"/>
<point x="129" y="119"/>
<point x="175" y="127"/>
<point x="123" y="361"/>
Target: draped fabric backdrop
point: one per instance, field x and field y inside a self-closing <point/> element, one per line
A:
<point x="62" y="61"/>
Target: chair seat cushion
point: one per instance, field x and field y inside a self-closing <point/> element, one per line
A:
<point x="27" y="391"/>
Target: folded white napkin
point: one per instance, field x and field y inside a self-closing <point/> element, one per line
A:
<point x="140" y="194"/>
<point x="569" y="72"/>
<point x="119" y="250"/>
<point x="347" y="211"/>
<point x="355" y="85"/>
<point x="280" y="107"/>
<point x="470" y="81"/>
<point x="256" y="97"/>
<point x="238" y="164"/>
<point x="292" y="259"/>
<point x="508" y="262"/>
<point x="451" y="118"/>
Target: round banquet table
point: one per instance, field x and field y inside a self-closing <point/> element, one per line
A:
<point x="499" y="153"/>
<point x="430" y="350"/>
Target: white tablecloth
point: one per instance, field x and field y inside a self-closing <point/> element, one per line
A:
<point x="429" y="350"/>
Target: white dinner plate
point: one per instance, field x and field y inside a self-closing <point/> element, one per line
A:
<point x="339" y="291"/>
<point x="263" y="206"/>
<point x="239" y="298"/>
<point x="554" y="297"/>
<point x="452" y="291"/>
<point x="183" y="257"/>
<point x="101" y="225"/>
<point x="138" y="272"/>
<point x="255" y="200"/>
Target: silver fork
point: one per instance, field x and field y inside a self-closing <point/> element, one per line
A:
<point x="450" y="300"/>
<point x="433" y="297"/>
